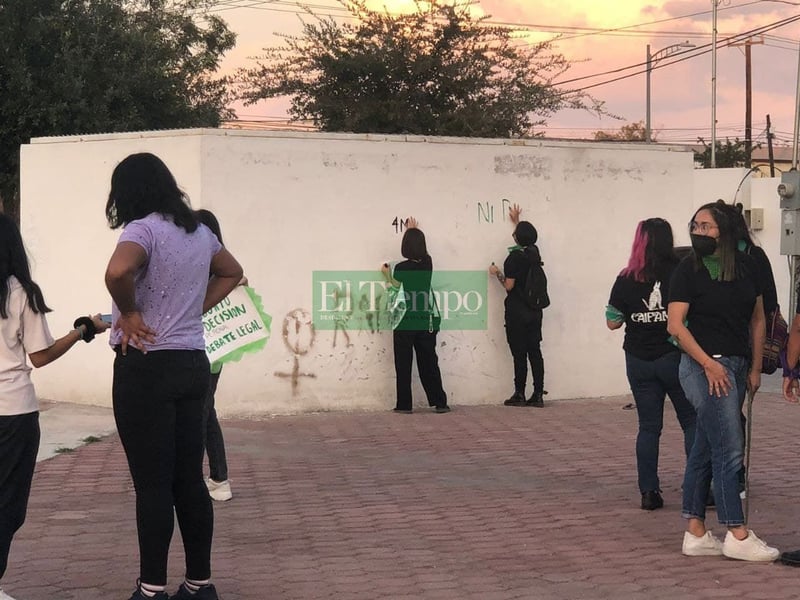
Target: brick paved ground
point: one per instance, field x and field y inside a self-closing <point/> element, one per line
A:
<point x="484" y="503"/>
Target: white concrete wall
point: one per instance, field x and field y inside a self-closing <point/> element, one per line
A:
<point x="64" y="187"/>
<point x="290" y="204"/>
<point x="730" y="185"/>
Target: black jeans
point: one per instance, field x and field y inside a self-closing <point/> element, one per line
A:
<point x="424" y="343"/>
<point x="213" y="441"/>
<point x="524" y="338"/>
<point x="158" y="407"/>
<point x="19" y="443"/>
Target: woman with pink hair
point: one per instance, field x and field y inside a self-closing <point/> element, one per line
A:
<point x="639" y="301"/>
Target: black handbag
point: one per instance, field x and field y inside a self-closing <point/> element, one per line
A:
<point x="777" y="336"/>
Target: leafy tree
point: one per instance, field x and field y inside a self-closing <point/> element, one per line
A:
<point x="436" y="71"/>
<point x="729" y="154"/>
<point x="632" y="132"/>
<point x="90" y="66"/>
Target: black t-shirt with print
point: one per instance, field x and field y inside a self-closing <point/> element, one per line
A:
<point x="644" y="305"/>
<point x="416" y="279"/>
<point x="719" y="311"/>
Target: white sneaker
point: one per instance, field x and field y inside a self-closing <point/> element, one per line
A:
<point x="4" y="596"/>
<point x="218" y="490"/>
<point x="705" y="545"/>
<point x="750" y="548"/>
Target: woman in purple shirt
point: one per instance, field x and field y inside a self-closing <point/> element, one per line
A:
<point x="158" y="277"/>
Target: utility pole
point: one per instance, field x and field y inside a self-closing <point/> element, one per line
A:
<point x="748" y="106"/>
<point x="769" y="148"/>
<point x="789" y="193"/>
<point x="748" y="101"/>
<point x="652" y="59"/>
<point x="715" y="4"/>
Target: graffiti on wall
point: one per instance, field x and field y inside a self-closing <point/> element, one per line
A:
<point x="487" y="213"/>
<point x="400" y="224"/>
<point x="298" y="336"/>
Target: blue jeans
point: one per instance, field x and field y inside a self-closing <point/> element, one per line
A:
<point x="718" y="448"/>
<point x="651" y="381"/>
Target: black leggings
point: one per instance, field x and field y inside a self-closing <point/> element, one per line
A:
<point x="524" y="340"/>
<point x="158" y="408"/>
<point x="19" y="443"/>
<point x="214" y="442"/>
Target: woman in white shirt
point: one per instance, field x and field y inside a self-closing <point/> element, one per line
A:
<point x="25" y="335"/>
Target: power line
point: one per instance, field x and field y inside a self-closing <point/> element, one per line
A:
<point x="675" y="58"/>
<point x="571" y="32"/>
<point x="678" y="57"/>
<point x="659" y="21"/>
<point x="301" y="7"/>
<point x="233" y="4"/>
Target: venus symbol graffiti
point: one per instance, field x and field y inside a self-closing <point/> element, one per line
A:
<point x="298" y="335"/>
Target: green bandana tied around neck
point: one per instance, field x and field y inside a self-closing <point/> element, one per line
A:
<point x="712" y="264"/>
<point x="515" y="247"/>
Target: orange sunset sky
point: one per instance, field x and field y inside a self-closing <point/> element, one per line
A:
<point x="609" y="35"/>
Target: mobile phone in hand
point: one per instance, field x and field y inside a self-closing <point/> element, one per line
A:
<point x="106" y="317"/>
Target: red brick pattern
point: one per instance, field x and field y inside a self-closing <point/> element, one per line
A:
<point x="484" y="503"/>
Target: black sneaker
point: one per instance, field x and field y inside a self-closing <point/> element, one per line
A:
<point x="441" y="409"/>
<point x="518" y="399"/>
<point x="537" y="400"/>
<point x="791" y="559"/>
<point x="652" y="500"/>
<point x="207" y="592"/>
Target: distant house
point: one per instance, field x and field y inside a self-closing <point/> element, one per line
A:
<point x="782" y="157"/>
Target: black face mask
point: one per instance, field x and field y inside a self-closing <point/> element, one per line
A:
<point x="703" y="245"/>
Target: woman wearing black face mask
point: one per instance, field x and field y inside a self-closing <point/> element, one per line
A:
<point x="716" y="315"/>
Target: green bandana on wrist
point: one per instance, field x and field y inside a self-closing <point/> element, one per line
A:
<point x="614" y="314"/>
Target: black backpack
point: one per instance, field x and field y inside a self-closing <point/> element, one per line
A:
<point x="535" y="291"/>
